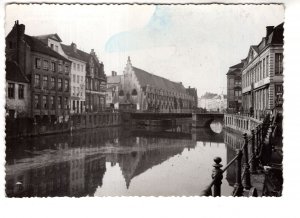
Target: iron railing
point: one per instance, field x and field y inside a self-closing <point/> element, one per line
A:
<point x="261" y="137"/>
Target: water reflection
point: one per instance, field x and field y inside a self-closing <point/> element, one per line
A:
<point x="114" y="161"/>
<point x="233" y="142"/>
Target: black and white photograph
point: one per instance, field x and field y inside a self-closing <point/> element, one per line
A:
<point x="144" y="100"/>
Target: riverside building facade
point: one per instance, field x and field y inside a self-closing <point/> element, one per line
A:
<point x="77" y="77"/>
<point x="262" y="74"/>
<point x="78" y="69"/>
<point x="152" y="93"/>
<point x="48" y="73"/>
<point x="17" y="91"/>
<point x="95" y="84"/>
<point x="234" y="87"/>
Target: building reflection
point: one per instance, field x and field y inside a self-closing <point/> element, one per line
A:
<point x="232" y="142"/>
<point x="75" y="164"/>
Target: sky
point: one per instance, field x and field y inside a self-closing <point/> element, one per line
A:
<point x="192" y="44"/>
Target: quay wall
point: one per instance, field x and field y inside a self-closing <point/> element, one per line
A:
<point x="240" y="123"/>
<point x="23" y="127"/>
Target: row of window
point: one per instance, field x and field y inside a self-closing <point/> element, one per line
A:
<point x="93" y="84"/>
<point x="257" y="72"/>
<point x="49" y="102"/>
<point x="76" y="91"/>
<point x="261" y="70"/>
<point x="78" y="67"/>
<point x="45" y="84"/>
<point x="11" y="91"/>
<point x="238" y="93"/>
<point x="52" y="66"/>
<point x="79" y="78"/>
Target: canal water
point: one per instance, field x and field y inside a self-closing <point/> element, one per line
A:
<point x="120" y="161"/>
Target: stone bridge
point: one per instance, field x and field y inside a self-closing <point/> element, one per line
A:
<point x="205" y="119"/>
<point x="197" y="119"/>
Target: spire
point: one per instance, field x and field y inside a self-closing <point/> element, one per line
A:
<point x="128" y="66"/>
<point x="129" y="61"/>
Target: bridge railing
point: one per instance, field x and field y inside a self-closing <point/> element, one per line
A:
<point x="246" y="164"/>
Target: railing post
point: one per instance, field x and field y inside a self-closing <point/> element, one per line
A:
<point x="257" y="140"/>
<point x="261" y="134"/>
<point x="273" y="134"/>
<point x="238" y="187"/>
<point x="217" y="176"/>
<point x="246" y="178"/>
<point x="253" y="154"/>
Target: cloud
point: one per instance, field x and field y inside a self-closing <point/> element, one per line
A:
<point x="155" y="34"/>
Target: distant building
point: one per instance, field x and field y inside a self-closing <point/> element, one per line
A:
<point x="112" y="91"/>
<point x="234" y="87"/>
<point x="193" y="92"/>
<point x="48" y="71"/>
<point x="262" y="75"/>
<point x="153" y="93"/>
<point x="213" y="102"/>
<point x="17" y="91"/>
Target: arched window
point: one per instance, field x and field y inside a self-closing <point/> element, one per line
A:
<point x="121" y="93"/>
<point x="134" y="92"/>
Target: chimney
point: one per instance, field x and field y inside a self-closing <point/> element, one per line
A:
<point x="113" y="73"/>
<point x="92" y="52"/>
<point x="20" y="28"/>
<point x="74" y="47"/>
<point x="269" y="30"/>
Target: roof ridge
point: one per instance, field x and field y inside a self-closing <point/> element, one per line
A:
<point x="50" y="51"/>
<point x="158" y="76"/>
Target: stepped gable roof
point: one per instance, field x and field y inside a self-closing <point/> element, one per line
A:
<point x="78" y="54"/>
<point x="14" y="73"/>
<point x="38" y="46"/>
<point x="146" y="78"/>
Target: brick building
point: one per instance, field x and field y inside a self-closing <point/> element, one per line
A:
<point x="234" y="87"/>
<point x="78" y="69"/>
<point x="95" y="84"/>
<point x="17" y="91"/>
<point x="48" y="73"/>
<point x="262" y="74"/>
<point x="149" y="92"/>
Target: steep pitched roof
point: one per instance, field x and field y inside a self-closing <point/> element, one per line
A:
<point x="38" y="46"/>
<point x="255" y="48"/>
<point x="276" y="37"/>
<point x="233" y="70"/>
<point x="78" y="54"/>
<point x="240" y="65"/>
<point x="51" y="36"/>
<point x="14" y="73"/>
<point x="146" y="78"/>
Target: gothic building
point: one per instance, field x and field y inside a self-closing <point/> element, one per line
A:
<point x="153" y="93"/>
